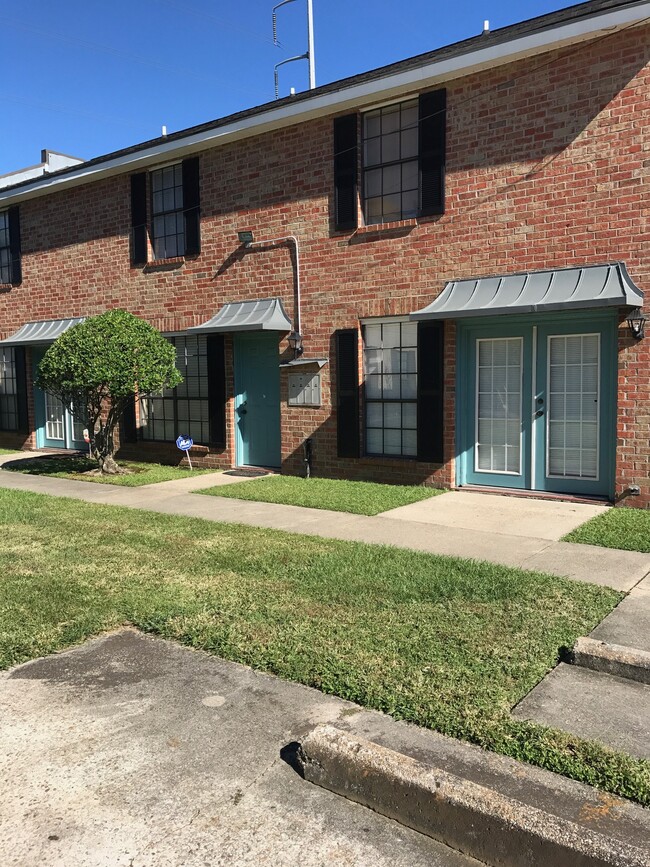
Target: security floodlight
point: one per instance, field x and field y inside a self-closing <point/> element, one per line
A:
<point x="245" y="238"/>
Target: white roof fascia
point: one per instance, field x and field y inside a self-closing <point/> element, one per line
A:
<point x="364" y="93"/>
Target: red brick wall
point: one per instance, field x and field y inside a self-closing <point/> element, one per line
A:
<point x="547" y="160"/>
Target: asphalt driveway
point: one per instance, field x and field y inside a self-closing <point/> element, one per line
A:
<point x="132" y="751"/>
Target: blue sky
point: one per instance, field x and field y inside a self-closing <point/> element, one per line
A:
<point x="86" y="78"/>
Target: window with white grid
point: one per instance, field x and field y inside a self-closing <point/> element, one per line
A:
<point x="184" y="409"/>
<point x="168" y="225"/>
<point x="390" y="163"/>
<point x="5" y="248"/>
<point x="8" y="390"/>
<point x="391" y="381"/>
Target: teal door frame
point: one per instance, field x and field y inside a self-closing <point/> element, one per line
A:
<point x="257" y="399"/>
<point x="535" y="331"/>
<point x="40" y="417"/>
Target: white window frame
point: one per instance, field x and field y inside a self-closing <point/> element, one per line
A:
<point x="177" y="212"/>
<point x="387" y="320"/>
<point x="385" y="164"/>
<point x="6" y="270"/>
<point x="521" y="408"/>
<point x="549" y="475"/>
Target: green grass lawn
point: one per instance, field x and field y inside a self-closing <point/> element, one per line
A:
<point x="446" y="643"/>
<point x="77" y="468"/>
<point x="9" y="451"/>
<point x="627" y="529"/>
<point x="361" y="498"/>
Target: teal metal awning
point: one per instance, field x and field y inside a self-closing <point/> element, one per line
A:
<point x="43" y="332"/>
<point x="593" y="286"/>
<point x="267" y="314"/>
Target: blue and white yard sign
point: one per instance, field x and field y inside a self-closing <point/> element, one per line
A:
<point x="185" y="443"/>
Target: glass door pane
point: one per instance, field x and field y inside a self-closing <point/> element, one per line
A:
<point x="77" y="428"/>
<point x="573" y="384"/>
<point x="499" y="372"/>
<point x="54" y="418"/>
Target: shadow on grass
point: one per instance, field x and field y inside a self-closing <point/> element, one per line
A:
<point x="59" y="465"/>
<point x="48" y="465"/>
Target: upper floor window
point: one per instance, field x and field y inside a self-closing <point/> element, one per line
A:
<point x="168" y="219"/>
<point x="402" y="162"/>
<point x="167" y="223"/>
<point x="390" y="163"/>
<point x="5" y="248"/>
<point x="10" y="271"/>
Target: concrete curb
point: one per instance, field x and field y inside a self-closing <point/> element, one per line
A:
<point x="475" y="820"/>
<point x="613" y="659"/>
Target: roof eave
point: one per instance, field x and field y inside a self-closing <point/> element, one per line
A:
<point x="321" y="104"/>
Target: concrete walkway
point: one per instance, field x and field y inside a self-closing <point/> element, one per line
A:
<point x="595" y="704"/>
<point x="134" y="752"/>
<point x="522" y="533"/>
<point x="130" y="751"/>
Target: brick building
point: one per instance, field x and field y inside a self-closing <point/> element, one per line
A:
<point x="426" y="270"/>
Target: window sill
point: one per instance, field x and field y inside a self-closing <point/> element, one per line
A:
<point x="385" y="461"/>
<point x="165" y="264"/>
<point x="398" y="228"/>
<point x="6" y="287"/>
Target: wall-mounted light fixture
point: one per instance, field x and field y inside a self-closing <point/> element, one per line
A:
<point x="295" y="342"/>
<point x="245" y="238"/>
<point x="636" y="323"/>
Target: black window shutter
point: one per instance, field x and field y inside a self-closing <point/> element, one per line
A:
<point x="139" y="218"/>
<point x="15" y="271"/>
<point x="21" y="388"/>
<point x="347" y="393"/>
<point x="216" y="347"/>
<point x="433" y="150"/>
<point x="345" y="171"/>
<point x="191" y="206"/>
<point x="128" y="427"/>
<point x="431" y="336"/>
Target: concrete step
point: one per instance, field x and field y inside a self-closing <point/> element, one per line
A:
<point x="629" y="622"/>
<point x="591" y="704"/>
<point x="616" y="659"/>
<point x="549" y="824"/>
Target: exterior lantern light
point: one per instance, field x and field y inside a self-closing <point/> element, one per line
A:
<point x="636" y="323"/>
<point x="295" y="342"/>
<point x="246" y="238"/>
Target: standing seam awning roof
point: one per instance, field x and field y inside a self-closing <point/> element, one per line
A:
<point x="45" y="331"/>
<point x="535" y="292"/>
<point x="267" y="314"/>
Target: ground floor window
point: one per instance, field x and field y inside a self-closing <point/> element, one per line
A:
<point x="391" y="379"/>
<point x="184" y="409"/>
<point x="8" y="390"/>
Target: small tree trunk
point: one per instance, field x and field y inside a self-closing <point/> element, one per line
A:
<point x="108" y="465"/>
<point x="103" y="448"/>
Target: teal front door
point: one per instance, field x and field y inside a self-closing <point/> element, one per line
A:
<point x="257" y="399"/>
<point x="56" y="427"/>
<point x="536" y="406"/>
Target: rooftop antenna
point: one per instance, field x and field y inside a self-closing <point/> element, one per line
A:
<point x="308" y="55"/>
